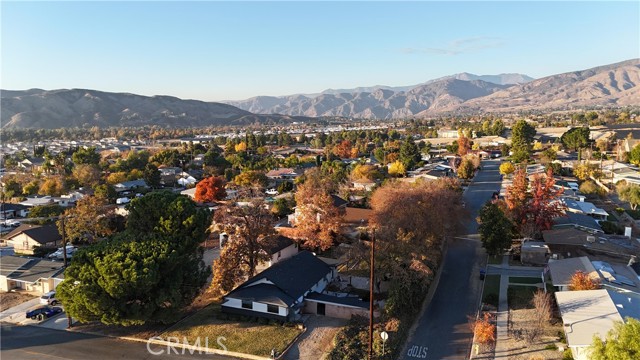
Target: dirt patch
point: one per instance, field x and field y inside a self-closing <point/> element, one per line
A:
<point x="11" y="299"/>
<point x="545" y="348"/>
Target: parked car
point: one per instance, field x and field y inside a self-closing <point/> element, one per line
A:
<point x="272" y="192"/>
<point x="58" y="254"/>
<point x="44" y="312"/>
<point x="123" y="200"/>
<point x="49" y="298"/>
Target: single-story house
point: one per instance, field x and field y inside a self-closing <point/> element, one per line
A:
<point x="32" y="163"/>
<point x="588" y="313"/>
<point x="534" y="252"/>
<point x="38" y="201"/>
<point x="9" y="211"/>
<point x="279" y="291"/>
<point x="29" y="274"/>
<point x="561" y="271"/>
<point x="564" y="239"/>
<point x="585" y="208"/>
<point x="131" y="185"/>
<point x="282" y="174"/>
<point x="578" y="221"/>
<point x="25" y="238"/>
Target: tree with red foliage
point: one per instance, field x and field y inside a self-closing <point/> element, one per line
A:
<point x="544" y="206"/>
<point x="533" y="212"/>
<point x="210" y="189"/>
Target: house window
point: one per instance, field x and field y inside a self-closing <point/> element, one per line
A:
<point x="272" y="309"/>
<point x="247" y="304"/>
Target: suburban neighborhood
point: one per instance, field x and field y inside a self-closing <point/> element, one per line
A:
<point x="279" y="233"/>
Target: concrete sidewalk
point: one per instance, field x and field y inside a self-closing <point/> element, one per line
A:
<point x="502" y="318"/>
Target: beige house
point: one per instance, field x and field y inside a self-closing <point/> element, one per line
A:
<point x="29" y="274"/>
<point x="586" y="314"/>
<point x="26" y="238"/>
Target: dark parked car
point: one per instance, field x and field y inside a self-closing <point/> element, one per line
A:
<point x="43" y="312"/>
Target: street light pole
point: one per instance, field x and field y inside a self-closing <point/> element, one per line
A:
<point x="373" y="245"/>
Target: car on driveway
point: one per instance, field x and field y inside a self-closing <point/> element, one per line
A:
<point x="49" y="298"/>
<point x="43" y="312"/>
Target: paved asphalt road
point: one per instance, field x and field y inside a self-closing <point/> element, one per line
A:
<point x="443" y="330"/>
<point x="31" y="343"/>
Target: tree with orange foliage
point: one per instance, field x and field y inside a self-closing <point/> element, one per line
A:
<point x="317" y="219"/>
<point x="517" y="196"/>
<point x="344" y="150"/>
<point x="464" y="145"/>
<point x="210" y="189"/>
<point x="484" y="330"/>
<point x="582" y="281"/>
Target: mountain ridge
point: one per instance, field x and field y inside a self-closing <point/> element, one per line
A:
<point x="37" y="108"/>
<point x="615" y="84"/>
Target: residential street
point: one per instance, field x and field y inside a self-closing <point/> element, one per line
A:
<point x="31" y="342"/>
<point x="443" y="330"/>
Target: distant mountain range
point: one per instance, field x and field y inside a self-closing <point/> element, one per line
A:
<point x="614" y="84"/>
<point x="610" y="85"/>
<point x="37" y="108"/>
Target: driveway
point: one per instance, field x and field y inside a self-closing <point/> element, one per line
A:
<point x="16" y="314"/>
<point x="443" y="331"/>
<point x="315" y="343"/>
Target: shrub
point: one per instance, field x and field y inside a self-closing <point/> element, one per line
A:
<point x="42" y="251"/>
<point x="611" y="228"/>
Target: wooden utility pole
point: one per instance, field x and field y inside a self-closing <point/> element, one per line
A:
<point x="373" y="245"/>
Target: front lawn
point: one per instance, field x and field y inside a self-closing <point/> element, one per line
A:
<point x="524" y="280"/>
<point x="519" y="297"/>
<point x="256" y="338"/>
<point x="491" y="292"/>
<point x="495" y="260"/>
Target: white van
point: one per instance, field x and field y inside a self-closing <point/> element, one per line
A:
<point x="49" y="298"/>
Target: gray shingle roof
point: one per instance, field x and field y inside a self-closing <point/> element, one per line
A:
<point x="291" y="279"/>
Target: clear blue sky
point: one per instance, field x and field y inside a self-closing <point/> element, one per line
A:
<point x="222" y="50"/>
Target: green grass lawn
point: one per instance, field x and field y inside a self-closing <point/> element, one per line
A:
<point x="524" y="280"/>
<point x="244" y="337"/>
<point x="519" y="296"/>
<point x="491" y="292"/>
<point x="495" y="260"/>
